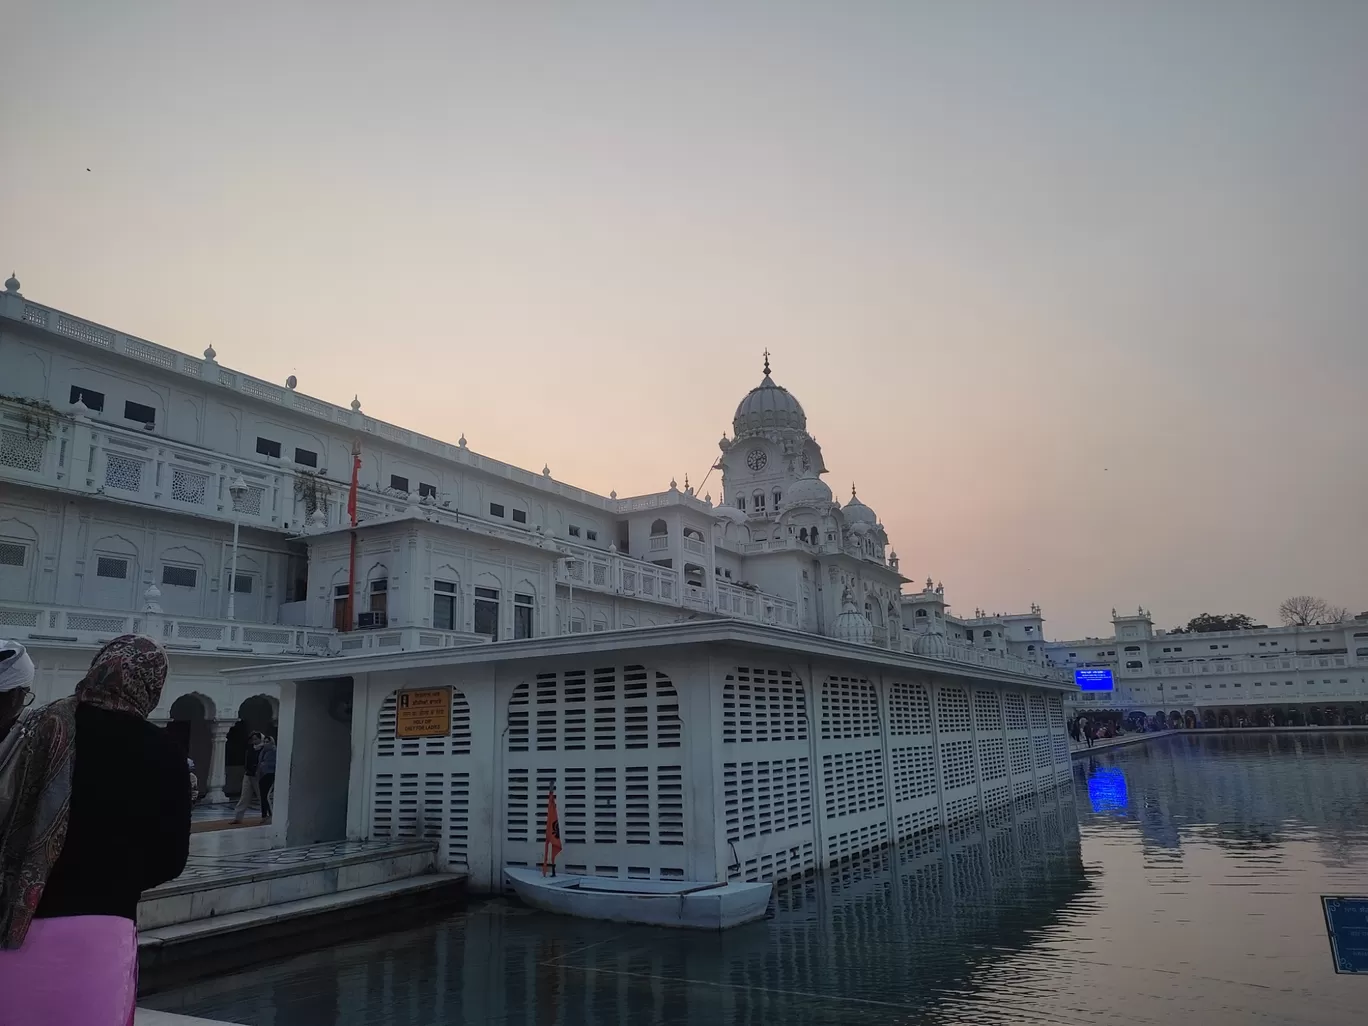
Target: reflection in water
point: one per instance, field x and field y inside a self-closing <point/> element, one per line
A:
<point x="1000" y="926"/>
<point x="1107" y="789"/>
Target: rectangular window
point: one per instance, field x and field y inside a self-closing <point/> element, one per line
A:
<point x="142" y="414"/>
<point x="266" y="447"/>
<point x="379" y="596"/>
<point x="179" y="576"/>
<point x="444" y="605"/>
<point x="574" y="531"/>
<point x="108" y="566"/>
<point x="496" y="509"/>
<point x="522" y="616"/>
<point x="306" y="457"/>
<point x="487" y="612"/>
<point x="242" y="584"/>
<point x="758" y="502"/>
<point x="427" y="491"/>
<point x="591" y="535"/>
<point x="340" y="593"/>
<point x="399" y="484"/>
<point x="94" y="401"/>
<point x="13" y="554"/>
<point x="520" y="516"/>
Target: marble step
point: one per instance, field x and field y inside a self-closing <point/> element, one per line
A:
<point x="216" y="886"/>
<point x="151" y="1017"/>
<point x="224" y="942"/>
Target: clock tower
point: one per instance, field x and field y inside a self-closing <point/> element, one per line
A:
<point x="769" y="450"/>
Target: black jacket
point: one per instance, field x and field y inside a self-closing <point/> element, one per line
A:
<point x="250" y="762"/>
<point x="130" y="817"/>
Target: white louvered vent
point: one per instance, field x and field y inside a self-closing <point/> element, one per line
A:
<point x="850" y="709"/>
<point x="762" y="705"/>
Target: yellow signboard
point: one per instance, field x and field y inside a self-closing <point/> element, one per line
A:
<point x="423" y="712"/>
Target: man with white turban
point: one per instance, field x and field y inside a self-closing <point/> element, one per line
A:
<point x="16" y="683"/>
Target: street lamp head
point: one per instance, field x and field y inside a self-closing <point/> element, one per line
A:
<point x="237" y="487"/>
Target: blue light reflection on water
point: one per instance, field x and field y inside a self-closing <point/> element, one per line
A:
<point x="1107" y="789"/>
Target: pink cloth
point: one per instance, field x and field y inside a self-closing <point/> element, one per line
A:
<point x="72" y="970"/>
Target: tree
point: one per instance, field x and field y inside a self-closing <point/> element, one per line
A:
<point x="1208" y="622"/>
<point x="1303" y="610"/>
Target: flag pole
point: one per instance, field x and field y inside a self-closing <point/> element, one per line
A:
<point x="351" y="511"/>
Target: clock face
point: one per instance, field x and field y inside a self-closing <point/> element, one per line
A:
<point x="756" y="460"/>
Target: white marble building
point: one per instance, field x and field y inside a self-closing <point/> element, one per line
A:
<point x="126" y="468"/>
<point x="1314" y="674"/>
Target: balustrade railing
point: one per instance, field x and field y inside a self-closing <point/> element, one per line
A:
<point x="36" y="622"/>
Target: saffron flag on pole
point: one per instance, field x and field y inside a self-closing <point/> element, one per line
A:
<point x="552" y="847"/>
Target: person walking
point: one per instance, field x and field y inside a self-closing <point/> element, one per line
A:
<point x="266" y="768"/>
<point x="250" y="768"/>
<point x="16" y="684"/>
<point x="99" y="811"/>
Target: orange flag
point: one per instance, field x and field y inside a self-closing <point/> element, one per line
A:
<point x="552" y="847"/>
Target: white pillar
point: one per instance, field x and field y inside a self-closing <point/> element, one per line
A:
<point x="217" y="775"/>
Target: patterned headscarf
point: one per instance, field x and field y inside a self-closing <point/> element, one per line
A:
<point x="35" y="771"/>
<point x="126" y="676"/>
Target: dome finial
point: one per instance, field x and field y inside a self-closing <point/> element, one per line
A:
<point x="852" y="490"/>
<point x="767" y="370"/>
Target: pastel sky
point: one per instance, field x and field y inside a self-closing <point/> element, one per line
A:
<point x="1075" y="292"/>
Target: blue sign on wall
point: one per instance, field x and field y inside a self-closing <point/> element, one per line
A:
<point x="1094" y="678"/>
<point x="1346" y="920"/>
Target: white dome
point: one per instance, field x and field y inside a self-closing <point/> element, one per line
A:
<point x="726" y="512"/>
<point x="808" y="490"/>
<point x="932" y="645"/>
<point x="768" y="406"/>
<point x="852" y="625"/>
<point x="856" y="512"/>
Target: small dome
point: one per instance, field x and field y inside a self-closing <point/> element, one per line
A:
<point x="12" y="284"/>
<point x="856" y="512"/>
<point x="852" y="625"/>
<point x="932" y="645"/>
<point x="767" y="405"/>
<point x="808" y="490"/>
<point x="726" y="512"/>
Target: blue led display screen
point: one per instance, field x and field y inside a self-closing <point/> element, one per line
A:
<point x="1094" y="678"/>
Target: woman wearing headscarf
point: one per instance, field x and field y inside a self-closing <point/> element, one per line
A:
<point x="100" y="812"/>
<point x="16" y="684"/>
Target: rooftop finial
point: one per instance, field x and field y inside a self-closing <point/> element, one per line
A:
<point x="852" y="490"/>
<point x="767" y="370"/>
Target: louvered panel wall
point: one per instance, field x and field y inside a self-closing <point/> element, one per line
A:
<point x="608" y="739"/>
<point x="915" y="792"/>
<point x="766" y="792"/>
<point x="854" y="791"/>
<point x="421" y="788"/>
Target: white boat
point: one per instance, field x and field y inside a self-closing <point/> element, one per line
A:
<point x="679" y="903"/>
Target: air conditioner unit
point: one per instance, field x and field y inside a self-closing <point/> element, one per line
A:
<point x="370" y="621"/>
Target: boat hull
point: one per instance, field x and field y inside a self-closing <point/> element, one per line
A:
<point x="695" y="906"/>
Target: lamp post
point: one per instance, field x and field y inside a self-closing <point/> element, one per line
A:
<point x="237" y="489"/>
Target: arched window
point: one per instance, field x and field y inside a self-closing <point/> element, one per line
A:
<point x="659" y="527"/>
<point x="778" y="496"/>
<point x="740" y="502"/>
<point x="758" y="501"/>
<point x="987" y="635"/>
<point x="802" y="535"/>
<point x="921" y="612"/>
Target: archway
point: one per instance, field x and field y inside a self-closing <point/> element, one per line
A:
<point x="259" y="712"/>
<point x="190" y="717"/>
